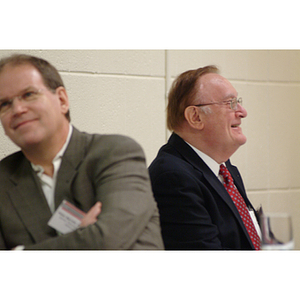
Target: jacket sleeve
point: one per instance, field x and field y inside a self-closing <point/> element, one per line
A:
<point x="129" y="217"/>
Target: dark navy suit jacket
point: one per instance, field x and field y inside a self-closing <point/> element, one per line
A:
<point x="196" y="212"/>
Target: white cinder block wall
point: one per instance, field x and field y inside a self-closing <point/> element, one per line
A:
<point x="123" y="91"/>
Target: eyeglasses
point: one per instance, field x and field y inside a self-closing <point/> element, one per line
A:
<point x="28" y="95"/>
<point x="232" y="102"/>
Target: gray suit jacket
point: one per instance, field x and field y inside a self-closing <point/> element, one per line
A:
<point x="106" y="168"/>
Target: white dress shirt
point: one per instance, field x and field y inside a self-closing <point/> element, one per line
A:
<point x="48" y="183"/>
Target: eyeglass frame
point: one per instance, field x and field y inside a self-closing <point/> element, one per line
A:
<point x="230" y="101"/>
<point x="20" y="98"/>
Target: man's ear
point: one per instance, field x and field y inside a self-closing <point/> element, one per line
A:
<point x="64" y="99"/>
<point x="193" y="117"/>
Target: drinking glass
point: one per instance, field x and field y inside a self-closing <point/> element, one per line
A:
<point x="276" y="231"/>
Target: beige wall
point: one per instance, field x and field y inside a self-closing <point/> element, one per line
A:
<point x="123" y="91"/>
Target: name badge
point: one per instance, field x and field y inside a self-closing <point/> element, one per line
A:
<point x="66" y="218"/>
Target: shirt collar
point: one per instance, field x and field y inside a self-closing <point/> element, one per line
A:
<point x="64" y="147"/>
<point x="211" y="163"/>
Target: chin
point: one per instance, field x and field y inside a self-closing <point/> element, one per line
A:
<point x="27" y="142"/>
<point x="242" y="141"/>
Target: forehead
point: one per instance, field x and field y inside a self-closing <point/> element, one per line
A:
<point x="215" y="86"/>
<point x="14" y="79"/>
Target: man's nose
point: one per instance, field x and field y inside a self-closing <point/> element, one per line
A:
<point x="241" y="111"/>
<point x="18" y="106"/>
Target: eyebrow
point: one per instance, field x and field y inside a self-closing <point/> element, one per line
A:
<point x="230" y="96"/>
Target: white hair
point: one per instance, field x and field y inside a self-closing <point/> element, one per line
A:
<point x="206" y="109"/>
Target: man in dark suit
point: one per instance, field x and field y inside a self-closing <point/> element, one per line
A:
<point x="102" y="178"/>
<point x="196" y="210"/>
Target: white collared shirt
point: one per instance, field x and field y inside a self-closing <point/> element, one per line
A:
<point x="48" y="183"/>
<point x="211" y="163"/>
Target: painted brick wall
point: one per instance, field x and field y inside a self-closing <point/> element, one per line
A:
<point x="123" y="91"/>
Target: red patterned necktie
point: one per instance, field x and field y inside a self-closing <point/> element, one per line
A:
<point x="240" y="205"/>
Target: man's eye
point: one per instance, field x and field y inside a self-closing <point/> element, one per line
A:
<point x="28" y="95"/>
<point x="4" y="104"/>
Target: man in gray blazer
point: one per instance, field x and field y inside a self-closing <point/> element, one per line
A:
<point x="102" y="178"/>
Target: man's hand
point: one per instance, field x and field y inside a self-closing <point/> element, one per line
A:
<point x="91" y="216"/>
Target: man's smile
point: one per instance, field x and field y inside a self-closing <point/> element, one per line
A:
<point x="21" y="123"/>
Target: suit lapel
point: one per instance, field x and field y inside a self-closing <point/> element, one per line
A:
<point x="72" y="158"/>
<point x="30" y="202"/>
<point x="193" y="158"/>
